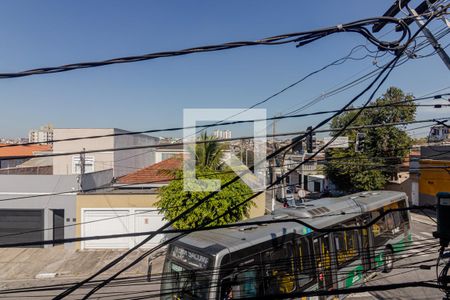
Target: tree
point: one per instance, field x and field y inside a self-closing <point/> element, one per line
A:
<point x="174" y="199"/>
<point x="384" y="147"/>
<point x="209" y="153"/>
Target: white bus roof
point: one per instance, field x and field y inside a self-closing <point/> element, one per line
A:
<point x="320" y="213"/>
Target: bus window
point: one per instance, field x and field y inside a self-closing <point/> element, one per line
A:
<point x="242" y="278"/>
<point x="323" y="261"/>
<point x="305" y="267"/>
<point x="380" y="231"/>
<point x="401" y="217"/>
<point x="241" y="284"/>
<point x="346" y="245"/>
<point x="185" y="283"/>
<point x="396" y="221"/>
<point x="279" y="270"/>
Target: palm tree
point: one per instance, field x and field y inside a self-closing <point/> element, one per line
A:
<point x="209" y="153"/>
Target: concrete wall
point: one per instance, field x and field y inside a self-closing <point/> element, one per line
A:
<point x="32" y="192"/>
<point x="405" y="186"/>
<point x="38" y="192"/>
<point x="122" y="162"/>
<point x="129" y="161"/>
<point x="62" y="165"/>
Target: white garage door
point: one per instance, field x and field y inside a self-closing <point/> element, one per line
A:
<point x="97" y="222"/>
<point x="148" y="221"/>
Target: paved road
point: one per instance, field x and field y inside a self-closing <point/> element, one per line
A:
<point x="139" y="288"/>
<point x="419" y="254"/>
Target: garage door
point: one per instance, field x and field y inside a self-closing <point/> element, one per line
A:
<point x="21" y="225"/>
<point x="98" y="222"/>
<point x="148" y="221"/>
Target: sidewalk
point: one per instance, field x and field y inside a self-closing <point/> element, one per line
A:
<point x="422" y="218"/>
<point x="32" y="263"/>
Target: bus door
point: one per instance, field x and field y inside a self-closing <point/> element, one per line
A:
<point x="323" y="262"/>
<point x="367" y="251"/>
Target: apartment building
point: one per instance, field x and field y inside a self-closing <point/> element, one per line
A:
<point x="105" y="155"/>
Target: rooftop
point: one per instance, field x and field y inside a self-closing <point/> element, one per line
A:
<point x="161" y="172"/>
<point x="22" y="150"/>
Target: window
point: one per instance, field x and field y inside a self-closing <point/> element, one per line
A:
<point x="305" y="266"/>
<point x="346" y="245"/>
<point x="184" y="282"/>
<point x="243" y="280"/>
<point x="279" y="270"/>
<point x="323" y="261"/>
<point x="391" y="224"/>
<point x="89" y="162"/>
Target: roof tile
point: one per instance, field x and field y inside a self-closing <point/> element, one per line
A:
<point x="157" y="173"/>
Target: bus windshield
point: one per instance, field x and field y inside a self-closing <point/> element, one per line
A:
<point x="180" y="282"/>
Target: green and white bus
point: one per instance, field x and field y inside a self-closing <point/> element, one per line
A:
<point x="282" y="258"/>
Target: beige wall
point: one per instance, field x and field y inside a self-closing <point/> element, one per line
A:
<point x="122" y="162"/>
<point x="62" y="165"/>
<point x="260" y="206"/>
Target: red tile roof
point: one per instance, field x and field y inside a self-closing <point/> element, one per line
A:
<point x="22" y="150"/>
<point x="161" y="172"/>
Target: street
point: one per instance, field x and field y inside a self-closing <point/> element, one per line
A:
<point x="407" y="269"/>
<point x="136" y="287"/>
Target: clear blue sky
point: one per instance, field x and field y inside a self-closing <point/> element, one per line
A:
<point x="153" y="94"/>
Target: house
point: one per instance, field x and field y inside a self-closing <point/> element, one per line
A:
<point x="168" y="151"/>
<point x="121" y="162"/>
<point x="43" y="207"/>
<point x="21" y="153"/>
<point x="129" y="206"/>
<point x="406" y="180"/>
<point x="439" y="133"/>
<point x="433" y="173"/>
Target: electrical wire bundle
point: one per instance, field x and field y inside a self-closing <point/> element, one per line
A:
<point x="299" y="38"/>
<point x="397" y="47"/>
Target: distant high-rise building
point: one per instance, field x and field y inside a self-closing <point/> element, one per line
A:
<point x="222" y="134"/>
<point x="43" y="135"/>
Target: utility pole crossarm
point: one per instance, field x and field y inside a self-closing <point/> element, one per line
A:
<point x="433" y="41"/>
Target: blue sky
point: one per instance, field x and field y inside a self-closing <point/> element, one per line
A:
<point x="153" y="94"/>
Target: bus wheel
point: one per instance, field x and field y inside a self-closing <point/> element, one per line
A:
<point x="388" y="260"/>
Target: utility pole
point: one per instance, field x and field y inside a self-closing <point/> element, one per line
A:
<point x="82" y="162"/>
<point x="415" y="13"/>
<point x="437" y="47"/>
<point x="273" y="176"/>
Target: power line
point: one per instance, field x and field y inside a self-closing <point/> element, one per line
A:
<point x="300" y="38"/>
<point x="388" y="68"/>
<point x="237" y="138"/>
<point x="189" y="210"/>
<point x="215" y="124"/>
<point x="233" y="225"/>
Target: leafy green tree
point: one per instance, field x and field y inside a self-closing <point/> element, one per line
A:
<point x="174" y="199"/>
<point x="209" y="154"/>
<point x="384" y="147"/>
